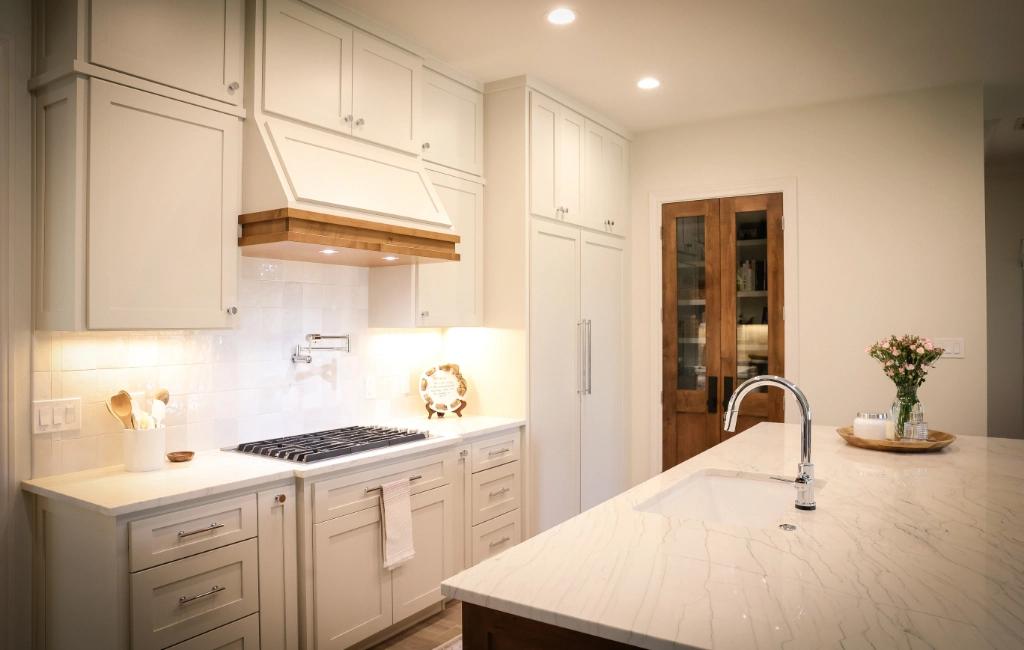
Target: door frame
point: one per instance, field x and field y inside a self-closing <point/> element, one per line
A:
<point x="788" y="187"/>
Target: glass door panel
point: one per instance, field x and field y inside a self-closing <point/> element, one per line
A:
<point x="691" y="304"/>
<point x="751" y="295"/>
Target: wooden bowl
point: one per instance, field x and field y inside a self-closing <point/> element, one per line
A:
<point x="180" y="456"/>
<point x="936" y="440"/>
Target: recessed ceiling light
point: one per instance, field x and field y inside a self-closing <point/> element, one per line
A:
<point x="328" y="251"/>
<point x="648" y="82"/>
<point x="390" y="258"/>
<point x="561" y="16"/>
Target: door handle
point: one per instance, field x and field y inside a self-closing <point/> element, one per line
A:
<point x="580" y="364"/>
<point x="712" y="394"/>
<point x="727" y="393"/>
<point x="590" y="357"/>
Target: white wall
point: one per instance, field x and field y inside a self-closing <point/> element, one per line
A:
<point x="237" y="385"/>
<point x="890" y="200"/>
<point x="1004" y="226"/>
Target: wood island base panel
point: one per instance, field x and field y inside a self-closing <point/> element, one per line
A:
<point x="488" y="629"/>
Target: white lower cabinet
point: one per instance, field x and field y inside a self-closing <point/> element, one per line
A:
<point x="243" y="634"/>
<point x="355" y="596"/>
<point x="492" y="537"/>
<point x="493" y="496"/>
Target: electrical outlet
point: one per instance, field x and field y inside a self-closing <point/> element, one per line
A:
<point x="49" y="415"/>
<point x="954" y="348"/>
<point x="370" y="387"/>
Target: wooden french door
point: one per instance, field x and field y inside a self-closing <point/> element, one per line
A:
<point x="722" y="278"/>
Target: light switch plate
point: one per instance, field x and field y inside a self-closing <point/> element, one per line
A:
<point x="954" y="348"/>
<point x="49" y="415"/>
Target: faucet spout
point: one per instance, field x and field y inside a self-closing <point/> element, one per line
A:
<point x="805" y="474"/>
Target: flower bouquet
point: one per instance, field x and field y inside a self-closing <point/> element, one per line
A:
<point x="906" y="360"/>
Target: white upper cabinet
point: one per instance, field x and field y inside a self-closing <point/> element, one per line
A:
<point x="606" y="179"/>
<point x="544" y="150"/>
<point x="192" y="45"/>
<point x="307" y="73"/>
<point x="385" y="94"/>
<point x="321" y="71"/>
<point x="453" y="124"/>
<point x="163" y="211"/>
<point x="571" y="168"/>
<point x="557" y="169"/>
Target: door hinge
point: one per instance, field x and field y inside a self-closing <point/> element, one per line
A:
<point x="662" y="235"/>
<point x="783" y="313"/>
<point x="783" y="222"/>
<point x="662" y="398"/>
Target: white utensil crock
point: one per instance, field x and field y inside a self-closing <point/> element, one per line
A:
<point x="144" y="449"/>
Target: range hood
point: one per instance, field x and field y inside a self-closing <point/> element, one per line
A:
<point x="306" y="191"/>
<point x="294" y="234"/>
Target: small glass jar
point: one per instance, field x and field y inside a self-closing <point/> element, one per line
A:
<point x="871" y="426"/>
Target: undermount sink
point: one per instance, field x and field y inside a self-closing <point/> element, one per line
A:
<point x="735" y="498"/>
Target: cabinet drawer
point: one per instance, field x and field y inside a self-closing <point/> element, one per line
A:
<point x="347" y="494"/>
<point x="496" y="535"/>
<point x="495" y="492"/>
<point x="177" y="601"/>
<point x="496" y="450"/>
<point x="240" y="635"/>
<point x="179" y="534"/>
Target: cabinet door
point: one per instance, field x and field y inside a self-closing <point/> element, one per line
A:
<point x="352" y="589"/>
<point x="163" y="212"/>
<point x="194" y="45"/>
<point x="554" y="373"/>
<point x="571" y="168"/>
<point x="307" y="73"/>
<point x="606" y="178"/>
<point x="602" y="430"/>
<point x="417" y="583"/>
<point x="450" y="294"/>
<point x="386" y="83"/>
<point x="279" y="591"/>
<point x="544" y="156"/>
<point x="453" y="124"/>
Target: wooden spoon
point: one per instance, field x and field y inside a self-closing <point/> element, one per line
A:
<point x="111" y="411"/>
<point x="162" y="395"/>
<point x="121" y="405"/>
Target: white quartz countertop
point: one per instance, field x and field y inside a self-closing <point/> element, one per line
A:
<point x="112" y="491"/>
<point x="903" y="551"/>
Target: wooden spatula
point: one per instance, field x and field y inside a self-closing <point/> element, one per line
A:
<point x="121" y="405"/>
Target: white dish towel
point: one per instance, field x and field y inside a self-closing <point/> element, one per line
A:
<point x="396" y="516"/>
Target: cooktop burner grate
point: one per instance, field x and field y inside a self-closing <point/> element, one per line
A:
<point x="313" y="447"/>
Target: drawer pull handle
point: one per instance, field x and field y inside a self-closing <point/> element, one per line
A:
<point x="501" y="491"/>
<point x="500" y="541"/>
<point x="213" y="526"/>
<point x="503" y="450"/>
<point x="374" y="489"/>
<point x="188" y="599"/>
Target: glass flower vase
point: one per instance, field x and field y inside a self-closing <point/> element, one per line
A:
<point x="904" y="408"/>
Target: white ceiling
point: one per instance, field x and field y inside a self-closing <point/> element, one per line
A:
<point x="718" y="57"/>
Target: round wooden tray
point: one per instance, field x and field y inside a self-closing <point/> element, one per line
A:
<point x="936" y="440"/>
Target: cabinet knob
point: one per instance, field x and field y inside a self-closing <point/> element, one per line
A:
<point x="348" y="118"/>
<point x="565" y="210"/>
<point x="426" y="145"/>
<point x="424" y="314"/>
<point x="233" y="87"/>
<point x="232" y="310"/>
<point x="280" y="498"/>
<point x="609" y="222"/>
<point x="360" y="122"/>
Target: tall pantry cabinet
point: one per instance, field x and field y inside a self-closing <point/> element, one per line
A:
<point x="556" y="267"/>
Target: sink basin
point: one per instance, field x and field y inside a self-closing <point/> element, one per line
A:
<point x="735" y="498"/>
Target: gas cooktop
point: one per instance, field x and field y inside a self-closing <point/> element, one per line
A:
<point x="313" y="447"/>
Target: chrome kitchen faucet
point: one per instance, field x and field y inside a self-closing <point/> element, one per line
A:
<point x="805" y="470"/>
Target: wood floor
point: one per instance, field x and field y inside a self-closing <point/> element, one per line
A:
<point x="429" y="634"/>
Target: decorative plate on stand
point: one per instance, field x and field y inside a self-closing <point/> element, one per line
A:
<point x="443" y="389"/>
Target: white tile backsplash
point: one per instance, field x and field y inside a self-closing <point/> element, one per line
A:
<point x="238" y="385"/>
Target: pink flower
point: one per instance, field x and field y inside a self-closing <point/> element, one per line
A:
<point x="920" y="350"/>
<point x="910" y="367"/>
<point x="928" y="345"/>
<point x="868" y="349"/>
<point x="891" y="373"/>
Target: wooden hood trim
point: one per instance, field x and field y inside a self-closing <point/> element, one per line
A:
<point x="291" y="233"/>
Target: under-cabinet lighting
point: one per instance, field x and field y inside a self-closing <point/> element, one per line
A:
<point x="648" y="82"/>
<point x="390" y="258"/>
<point x="328" y="251"/>
<point x="561" y="16"/>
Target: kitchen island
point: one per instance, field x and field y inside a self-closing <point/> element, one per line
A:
<point x="903" y="551"/>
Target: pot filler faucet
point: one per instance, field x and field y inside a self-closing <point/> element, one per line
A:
<point x="805" y="473"/>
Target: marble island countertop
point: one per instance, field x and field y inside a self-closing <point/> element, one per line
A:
<point x="113" y="492"/>
<point x="903" y="551"/>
